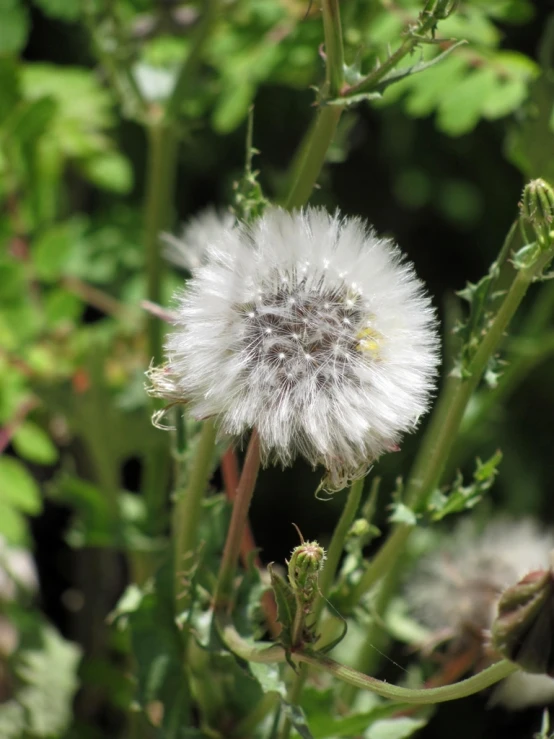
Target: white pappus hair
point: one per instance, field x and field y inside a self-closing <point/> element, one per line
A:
<point x="189" y="250"/>
<point x="311" y="329"/>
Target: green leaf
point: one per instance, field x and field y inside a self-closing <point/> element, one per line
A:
<point x="232" y="106"/>
<point x="401" y="513"/>
<point x="63" y="10"/>
<point x="269" y="678"/>
<point x="110" y="170"/>
<point x="460" y="108"/>
<point x="93" y="525"/>
<point x="50" y="677"/>
<point x="13" y="525"/>
<point x="31" y="119"/>
<point x="298" y="720"/>
<point x="33" y="443"/>
<point x="462" y="497"/>
<point x="14" y="27"/>
<point x="18" y="487"/>
<point x="157" y="648"/>
<point x="286" y="605"/>
<point x="52" y="250"/>
<point x="12" y="720"/>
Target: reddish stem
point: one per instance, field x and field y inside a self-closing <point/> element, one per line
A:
<point x="231" y="477"/>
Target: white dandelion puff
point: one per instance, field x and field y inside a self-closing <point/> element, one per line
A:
<point x="455" y="592"/>
<point x="201" y="232"/>
<point x="311" y="329"/>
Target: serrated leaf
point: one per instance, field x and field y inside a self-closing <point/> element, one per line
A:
<point x="33" y="443"/>
<point x="18" y="487"/>
<point x="460" y="109"/>
<point x="462" y="497"/>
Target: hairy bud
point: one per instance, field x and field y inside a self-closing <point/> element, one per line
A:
<point x="305" y="565"/>
<point x="537" y="208"/>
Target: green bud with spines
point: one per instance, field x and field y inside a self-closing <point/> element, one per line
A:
<point x="537" y="210"/>
<point x="304" y="567"/>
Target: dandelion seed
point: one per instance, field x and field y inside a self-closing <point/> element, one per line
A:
<point x="357" y="360"/>
<point x="189" y="251"/>
<point x="455" y="592"/>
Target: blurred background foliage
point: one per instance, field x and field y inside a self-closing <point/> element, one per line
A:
<point x="438" y="163"/>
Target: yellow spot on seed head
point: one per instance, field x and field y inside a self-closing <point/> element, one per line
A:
<point x="369" y="340"/>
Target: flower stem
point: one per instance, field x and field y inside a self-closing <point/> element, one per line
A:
<point x="326" y="580"/>
<point x="224" y="587"/>
<point x="162" y="169"/>
<point x="333" y="46"/>
<point x="423" y="696"/>
<point x="445" y="422"/>
<point x="336" y="547"/>
<point x="188" y="508"/>
<point x="312" y="155"/>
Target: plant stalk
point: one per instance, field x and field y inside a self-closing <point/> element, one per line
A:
<point x="422" y="696"/>
<point x="187" y="511"/>
<point x="334" y="52"/>
<point x="224" y="588"/>
<point x="444" y="425"/>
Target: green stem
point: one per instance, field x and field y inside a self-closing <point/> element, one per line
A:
<point x="312" y="155"/>
<point x="333" y="46"/>
<point x="224" y="588"/>
<point x="336" y="547"/>
<point x="189" y="68"/>
<point x="326" y="580"/>
<point x="268" y="654"/>
<point x="421" y="696"/>
<point x="443" y="427"/>
<point x="426" y="22"/>
<point x="188" y="509"/>
<point x="161" y="174"/>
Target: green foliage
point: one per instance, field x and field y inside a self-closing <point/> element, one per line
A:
<point x="79" y="251"/>
<point x="47" y="675"/>
<point x="461" y="498"/>
<point x="20" y="497"/>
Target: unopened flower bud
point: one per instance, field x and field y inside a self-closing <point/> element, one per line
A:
<point x="537" y="208"/>
<point x="305" y="565"/>
<point x="523" y="630"/>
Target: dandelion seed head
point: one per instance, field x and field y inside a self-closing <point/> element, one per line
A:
<point x="456" y="591"/>
<point x="313" y="330"/>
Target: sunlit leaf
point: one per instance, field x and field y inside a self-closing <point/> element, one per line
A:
<point x="31" y="442"/>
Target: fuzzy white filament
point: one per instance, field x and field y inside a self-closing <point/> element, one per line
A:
<point x="190" y="250"/>
<point x="310" y="328"/>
